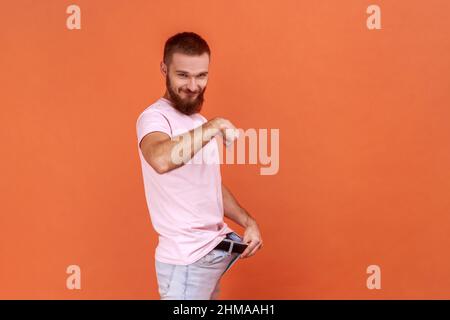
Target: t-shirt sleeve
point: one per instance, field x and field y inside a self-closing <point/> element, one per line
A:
<point x="151" y="121"/>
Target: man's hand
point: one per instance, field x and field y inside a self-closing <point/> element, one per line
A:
<point x="252" y="237"/>
<point x="232" y="210"/>
<point x="226" y="129"/>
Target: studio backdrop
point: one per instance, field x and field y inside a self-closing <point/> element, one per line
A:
<point x="350" y="188"/>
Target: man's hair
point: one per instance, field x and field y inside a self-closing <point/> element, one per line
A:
<point x="188" y="43"/>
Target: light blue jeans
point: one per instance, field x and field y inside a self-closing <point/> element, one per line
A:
<point x="196" y="281"/>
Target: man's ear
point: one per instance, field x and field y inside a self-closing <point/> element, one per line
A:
<point x="163" y="68"/>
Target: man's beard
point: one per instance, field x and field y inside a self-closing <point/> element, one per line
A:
<point x="188" y="106"/>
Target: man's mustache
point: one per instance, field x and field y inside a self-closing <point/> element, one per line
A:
<point x="191" y="92"/>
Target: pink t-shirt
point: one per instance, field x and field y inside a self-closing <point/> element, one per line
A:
<point x="185" y="204"/>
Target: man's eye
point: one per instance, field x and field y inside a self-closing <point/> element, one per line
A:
<point x="182" y="75"/>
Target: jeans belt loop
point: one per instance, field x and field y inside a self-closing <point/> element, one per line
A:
<point x="231" y="245"/>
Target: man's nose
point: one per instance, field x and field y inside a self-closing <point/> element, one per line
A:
<point x="192" y="85"/>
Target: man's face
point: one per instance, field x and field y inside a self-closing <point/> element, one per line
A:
<point x="186" y="81"/>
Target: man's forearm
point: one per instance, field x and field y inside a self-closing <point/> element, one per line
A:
<point x="180" y="149"/>
<point x="234" y="211"/>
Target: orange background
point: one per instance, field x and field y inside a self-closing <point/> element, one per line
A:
<point x="364" y="144"/>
